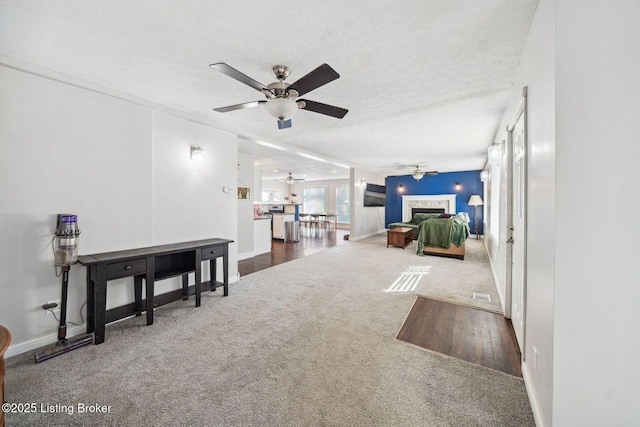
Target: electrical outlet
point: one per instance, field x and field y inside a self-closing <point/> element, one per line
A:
<point x="55" y="310"/>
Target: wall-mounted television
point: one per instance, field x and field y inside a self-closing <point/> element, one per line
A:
<point x="375" y="195"/>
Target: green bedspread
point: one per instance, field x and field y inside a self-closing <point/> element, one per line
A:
<point x="441" y="233"/>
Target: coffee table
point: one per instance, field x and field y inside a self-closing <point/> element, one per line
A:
<point x="400" y="236"/>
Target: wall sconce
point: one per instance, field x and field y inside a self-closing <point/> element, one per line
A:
<point x="458" y="186"/>
<point x="400" y="188"/>
<point x="484" y="176"/>
<point x="196" y="153"/>
<point x="495" y="152"/>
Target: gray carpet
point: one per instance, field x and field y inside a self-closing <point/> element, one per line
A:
<point x="440" y="278"/>
<point x="306" y="343"/>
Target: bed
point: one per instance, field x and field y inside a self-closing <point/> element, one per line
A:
<point x="437" y="233"/>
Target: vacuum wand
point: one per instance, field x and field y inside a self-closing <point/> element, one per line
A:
<point x="62" y="329"/>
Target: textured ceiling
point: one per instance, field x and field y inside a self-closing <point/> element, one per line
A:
<point x="425" y="81"/>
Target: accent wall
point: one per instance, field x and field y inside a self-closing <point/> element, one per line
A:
<point x="443" y="183"/>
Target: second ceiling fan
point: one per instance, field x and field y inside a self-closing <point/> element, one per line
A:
<point x="290" y="179"/>
<point x="419" y="173"/>
<point x="282" y="98"/>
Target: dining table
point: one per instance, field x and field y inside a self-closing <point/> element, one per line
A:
<point x="318" y="220"/>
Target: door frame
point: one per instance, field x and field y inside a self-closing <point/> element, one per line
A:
<point x="521" y="111"/>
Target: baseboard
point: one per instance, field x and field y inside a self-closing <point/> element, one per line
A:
<point x="366" y="236"/>
<point x="246" y="255"/>
<point x="32" y="344"/>
<point x="535" y="408"/>
<point x="495" y="279"/>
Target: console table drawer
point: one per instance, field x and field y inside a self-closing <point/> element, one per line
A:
<point x="126" y="269"/>
<point x="211" y="252"/>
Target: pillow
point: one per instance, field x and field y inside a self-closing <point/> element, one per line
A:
<point x="419" y="217"/>
<point x="445" y="215"/>
<point x="463" y="216"/>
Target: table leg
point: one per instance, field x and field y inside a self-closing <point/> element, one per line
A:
<point x="225" y="268"/>
<point x="213" y="266"/>
<point x="90" y="301"/>
<point x="149" y="289"/>
<point x="100" y="303"/>
<point x="137" y="290"/>
<point x="198" y="276"/>
<point x="185" y="287"/>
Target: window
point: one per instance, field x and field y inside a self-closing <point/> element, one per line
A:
<point x="272" y="196"/>
<point x="315" y="200"/>
<point x="342" y="203"/>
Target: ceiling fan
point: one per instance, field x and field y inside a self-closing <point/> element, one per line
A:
<point x="419" y="173"/>
<point x="282" y="98"/>
<point x="290" y="179"/>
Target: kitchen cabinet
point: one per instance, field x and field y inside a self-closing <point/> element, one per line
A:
<point x="278" y="224"/>
<point x="261" y="236"/>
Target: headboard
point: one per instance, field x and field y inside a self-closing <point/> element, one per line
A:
<point x="426" y="210"/>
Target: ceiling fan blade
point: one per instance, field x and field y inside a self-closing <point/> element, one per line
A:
<point x="329" y="110"/>
<point x="239" y="106"/>
<point x="235" y="74"/>
<point x="284" y="124"/>
<point x="316" y="78"/>
<point x="431" y="173"/>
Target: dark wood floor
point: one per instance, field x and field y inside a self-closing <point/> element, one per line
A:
<point x="310" y="243"/>
<point x="470" y="334"/>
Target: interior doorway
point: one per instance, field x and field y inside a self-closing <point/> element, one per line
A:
<point x="517" y="221"/>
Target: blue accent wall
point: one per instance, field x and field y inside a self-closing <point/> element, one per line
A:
<point x="443" y="183"/>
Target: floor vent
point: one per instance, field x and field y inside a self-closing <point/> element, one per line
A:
<point x="479" y="296"/>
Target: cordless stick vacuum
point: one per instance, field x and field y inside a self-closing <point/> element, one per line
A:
<point x="66" y="253"/>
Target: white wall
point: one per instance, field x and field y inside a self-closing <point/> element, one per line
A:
<point x="277" y="186"/>
<point x="187" y="194"/>
<point x="367" y="221"/>
<point x="256" y="190"/>
<point x="580" y="65"/>
<point x="119" y="166"/>
<point x="596" y="369"/>
<point x="536" y="71"/>
<point x="245" y="207"/>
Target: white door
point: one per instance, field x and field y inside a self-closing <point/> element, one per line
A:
<point x="519" y="209"/>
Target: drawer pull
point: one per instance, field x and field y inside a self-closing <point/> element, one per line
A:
<point x="127" y="267"/>
<point x="213" y="252"/>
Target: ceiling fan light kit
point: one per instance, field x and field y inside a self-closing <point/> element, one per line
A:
<point x="417" y="174"/>
<point x="281" y="109"/>
<point x="282" y="103"/>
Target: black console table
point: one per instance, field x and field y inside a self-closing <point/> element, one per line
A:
<point x="150" y="264"/>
